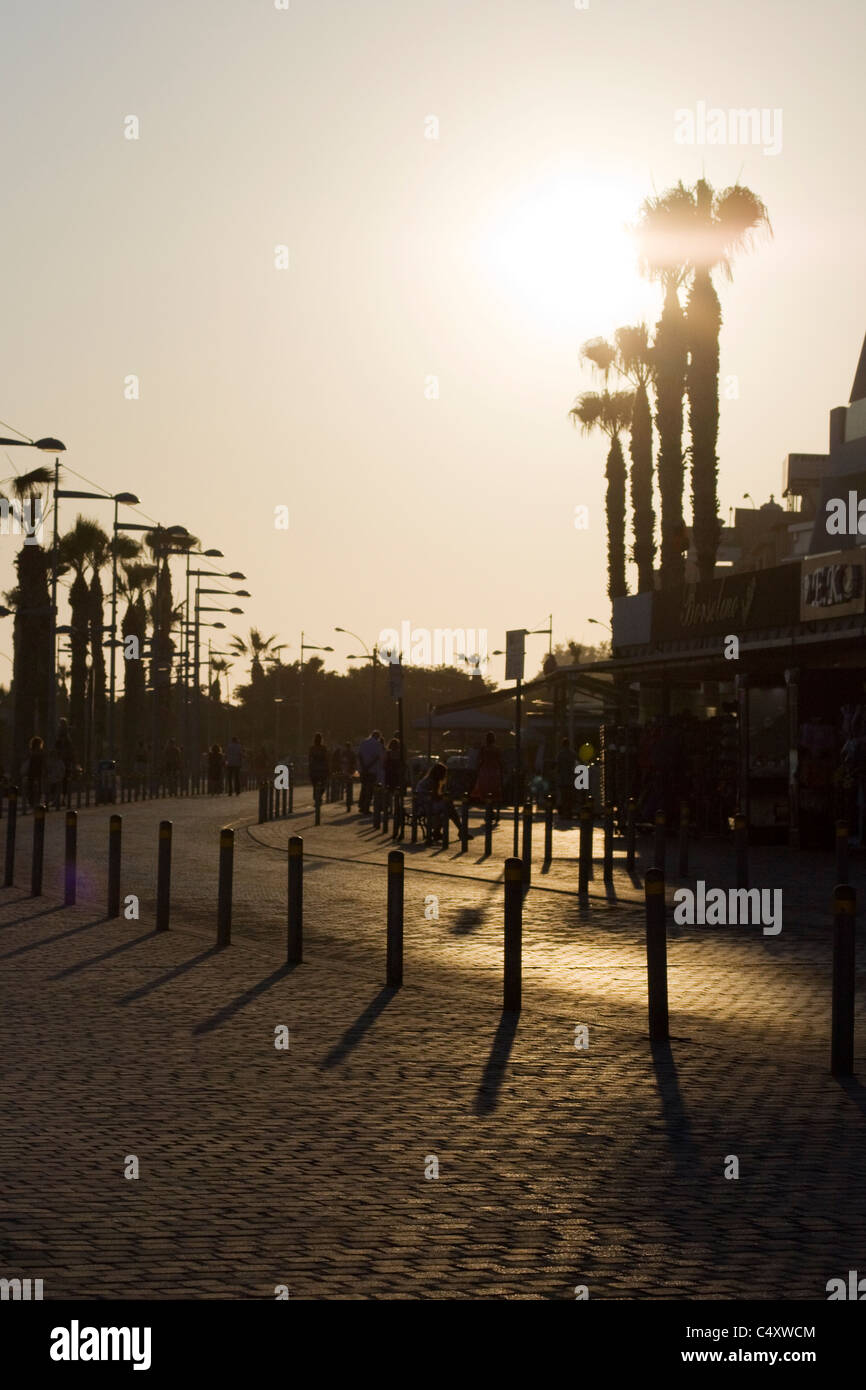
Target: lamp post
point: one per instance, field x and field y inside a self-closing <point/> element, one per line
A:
<point x="305" y="647"/>
<point x="202" y="574"/>
<point x="373" y="658"/>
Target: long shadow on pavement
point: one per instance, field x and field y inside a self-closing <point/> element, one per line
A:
<point x="169" y="975"/>
<point x="58" y="936"/>
<point x="494" y="1072"/>
<point x="31" y="916"/>
<point x="229" y="1010"/>
<point x="106" y="955"/>
<point x="363" y="1022"/>
<point x="854" y="1090"/>
<point x="685" y="1153"/>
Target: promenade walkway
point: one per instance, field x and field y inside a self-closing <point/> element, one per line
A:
<point x="306" y="1166"/>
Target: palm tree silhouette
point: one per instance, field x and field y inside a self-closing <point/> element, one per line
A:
<point x="610" y="412"/>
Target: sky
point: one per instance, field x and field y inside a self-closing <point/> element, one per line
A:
<point x="453" y="182"/>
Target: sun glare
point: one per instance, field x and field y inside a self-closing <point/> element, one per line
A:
<point x="560" y="250"/>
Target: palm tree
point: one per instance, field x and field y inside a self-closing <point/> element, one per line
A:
<point x="723" y="223"/>
<point x="630" y="355"/>
<point x="136" y="582"/>
<point x="78" y="548"/>
<point x="661" y="250"/>
<point x="31" y="600"/>
<point x="221" y="667"/>
<point x="610" y="412"/>
<point x="258" y="649"/>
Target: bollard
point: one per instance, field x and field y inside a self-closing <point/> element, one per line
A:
<point x="630" y="819"/>
<point x="548" y="828"/>
<point x="526" y="857"/>
<point x="741" y="845"/>
<point x="377" y="807"/>
<point x="464" y="824"/>
<point x="115" y="829"/>
<point x="163" y="876"/>
<point x="263" y="802"/>
<point x="11" y="823"/>
<point x="69" y="870"/>
<point x="399" y="812"/>
<point x="38" y="851"/>
<point x="842" y="1014"/>
<point x="660" y="845"/>
<point x="656" y="955"/>
<point x="224" y="891"/>
<point x="488" y="824"/>
<point x="394" y="962"/>
<point x="683" y="865"/>
<point x="841" y="851"/>
<point x="585" y="867"/>
<point x="291" y="787"/>
<point x="608" y="843"/>
<point x="513" y="934"/>
<point x="295" y="933"/>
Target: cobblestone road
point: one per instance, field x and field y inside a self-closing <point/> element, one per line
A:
<point x="306" y="1167"/>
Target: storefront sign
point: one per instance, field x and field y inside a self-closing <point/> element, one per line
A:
<point x="736" y="604"/>
<point x="833" y="585"/>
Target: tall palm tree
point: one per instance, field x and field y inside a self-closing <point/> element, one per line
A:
<point x="259" y="649"/>
<point x="723" y="223"/>
<point x="31" y="601"/>
<point x="630" y="355"/>
<point x="78" y="549"/>
<point x="659" y="233"/>
<point x="610" y="412"/>
<point x="135" y="584"/>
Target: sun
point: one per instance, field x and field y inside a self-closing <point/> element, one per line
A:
<point x="559" y="250"/>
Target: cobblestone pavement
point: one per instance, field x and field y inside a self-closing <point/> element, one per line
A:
<point x="306" y="1167"/>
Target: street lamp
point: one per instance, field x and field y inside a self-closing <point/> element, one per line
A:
<point x="305" y="647"/>
<point x="373" y="658"/>
<point x="597" y="623"/>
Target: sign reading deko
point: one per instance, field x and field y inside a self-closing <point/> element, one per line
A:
<point x="833" y="585"/>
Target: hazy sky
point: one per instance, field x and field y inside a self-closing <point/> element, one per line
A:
<point x="483" y="258"/>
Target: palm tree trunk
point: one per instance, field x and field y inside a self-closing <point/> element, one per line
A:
<point x="643" y="517"/>
<point x="31" y="639"/>
<point x="79" y="602"/>
<point x="670" y="359"/>
<point x="97" y="667"/>
<point x="704" y="321"/>
<point x="134" y="624"/>
<point x="615" y="474"/>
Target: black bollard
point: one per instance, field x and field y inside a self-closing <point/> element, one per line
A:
<point x="585" y="866"/>
<point x="741" y="847"/>
<point x="548" y="828"/>
<point x="488" y="825"/>
<point x="464" y="824"/>
<point x="11" y="824"/>
<point x="608" y="843"/>
<point x="630" y="820"/>
<point x="842" y="1017"/>
<point x="163" y="876"/>
<point x="660" y="842"/>
<point x="513" y="935"/>
<point x="38" y="851"/>
<point x="295" y="932"/>
<point x="683" y="865"/>
<point x="115" y="830"/>
<point x="656" y="955"/>
<point x="317" y="803"/>
<point x="526" y="856"/>
<point x="841" y="851"/>
<point x="224" y="890"/>
<point x="69" y="870"/>
<point x="394" y="962"/>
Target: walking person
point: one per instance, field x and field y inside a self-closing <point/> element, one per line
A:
<point x="370" y="764"/>
<point x="215" y="770"/>
<point x="488" y="782"/>
<point x="319" y="765"/>
<point x="234" y="758"/>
